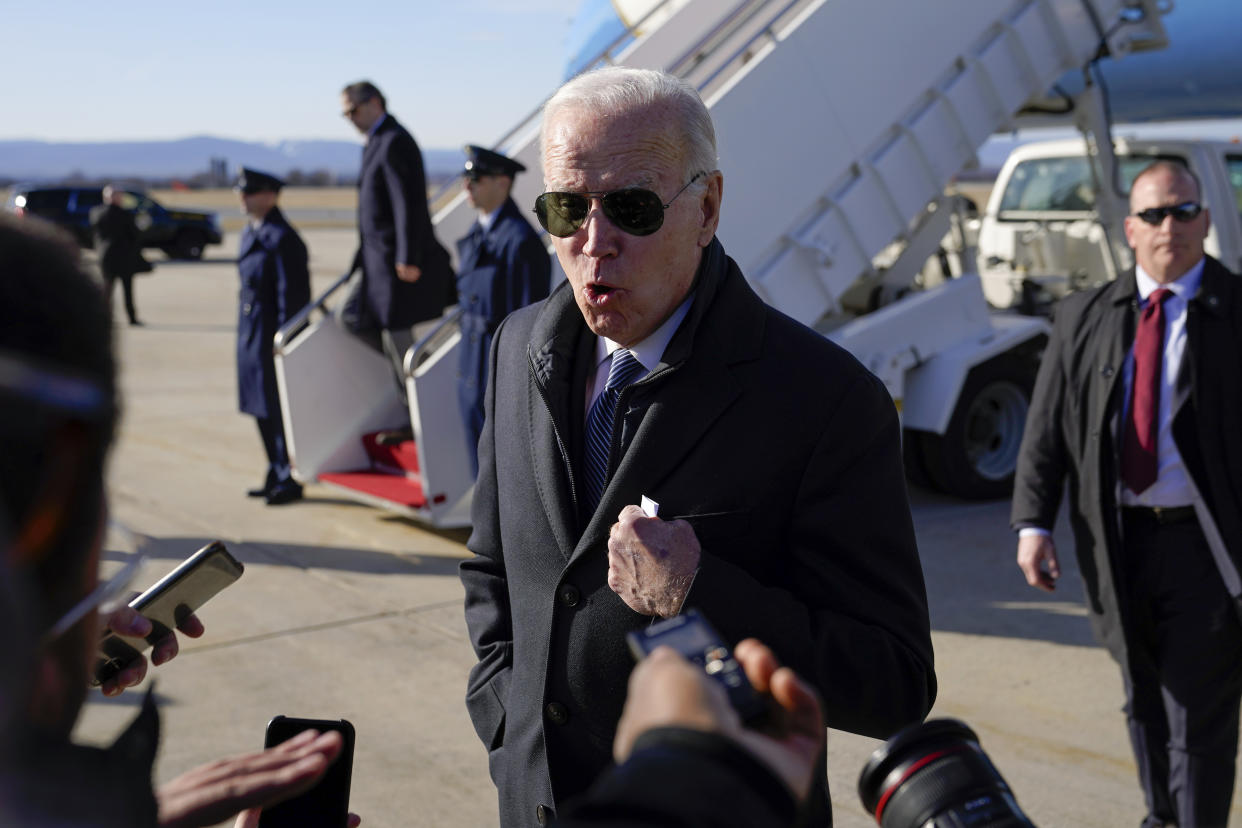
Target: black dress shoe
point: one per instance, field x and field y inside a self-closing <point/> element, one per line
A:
<point x="394" y="437"/>
<point x="261" y="492"/>
<point x="283" y="494"/>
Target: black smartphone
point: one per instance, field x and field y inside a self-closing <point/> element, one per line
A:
<point x="326" y="805"/>
<point x="691" y="635"/>
<point x="167" y="603"/>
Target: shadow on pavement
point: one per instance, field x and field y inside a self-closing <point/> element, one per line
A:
<point x="176" y="549"/>
<point x="974" y="586"/>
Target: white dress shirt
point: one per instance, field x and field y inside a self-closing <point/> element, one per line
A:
<point x="648" y="352"/>
<point x="1172" y="486"/>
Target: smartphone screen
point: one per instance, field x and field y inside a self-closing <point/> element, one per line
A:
<point x="168" y="602"/>
<point x="326" y="805"/>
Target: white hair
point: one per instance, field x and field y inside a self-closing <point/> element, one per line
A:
<point x="618" y="90"/>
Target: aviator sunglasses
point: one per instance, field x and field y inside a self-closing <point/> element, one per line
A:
<point x="635" y="210"/>
<point x="1185" y="212"/>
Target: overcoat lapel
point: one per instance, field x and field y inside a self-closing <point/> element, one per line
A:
<point x="559" y="329"/>
<point x="664" y="434"/>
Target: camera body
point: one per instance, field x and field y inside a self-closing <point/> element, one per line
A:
<point x="696" y="640"/>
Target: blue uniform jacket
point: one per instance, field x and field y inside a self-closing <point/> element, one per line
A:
<point x="275" y="285"/>
<point x="503" y="269"/>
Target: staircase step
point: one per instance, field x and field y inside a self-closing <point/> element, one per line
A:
<point x="398" y="457"/>
<point x="395" y="488"/>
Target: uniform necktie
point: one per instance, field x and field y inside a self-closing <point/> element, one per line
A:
<point x="623" y="371"/>
<point x="1138" y="445"/>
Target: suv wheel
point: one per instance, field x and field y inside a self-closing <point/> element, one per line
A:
<point x="189" y="244"/>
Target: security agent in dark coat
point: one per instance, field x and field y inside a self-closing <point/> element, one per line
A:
<point x="1160" y="564"/>
<point x="275" y="285"/>
<point x="118" y="243"/>
<point x="406" y="274"/>
<point x="502" y="266"/>
<point x="774" y="456"/>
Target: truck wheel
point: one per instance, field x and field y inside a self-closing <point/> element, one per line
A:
<point x="189" y="244"/>
<point x="976" y="457"/>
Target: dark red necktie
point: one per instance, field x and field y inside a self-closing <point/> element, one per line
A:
<point x="1138" y="445"/>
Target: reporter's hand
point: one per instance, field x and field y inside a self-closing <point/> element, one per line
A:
<point x="214" y="792"/>
<point x="1036" y="551"/>
<point x="125" y="620"/>
<point x="792" y="738"/>
<point x="666" y="690"/>
<point x="408" y="272"/>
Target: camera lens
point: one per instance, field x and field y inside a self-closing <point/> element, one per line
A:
<point x="936" y="774"/>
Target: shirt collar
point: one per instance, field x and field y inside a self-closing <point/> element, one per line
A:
<point x="650" y="350"/>
<point x="375" y="126"/>
<point x="1184" y="286"/>
<point x="486" y="221"/>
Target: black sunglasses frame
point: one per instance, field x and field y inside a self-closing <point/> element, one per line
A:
<point x="1185" y="212"/>
<point x="616" y="206"/>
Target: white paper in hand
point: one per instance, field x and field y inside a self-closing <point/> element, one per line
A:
<point x="650" y="507"/>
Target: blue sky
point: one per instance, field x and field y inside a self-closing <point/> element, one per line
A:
<point x="455" y="71"/>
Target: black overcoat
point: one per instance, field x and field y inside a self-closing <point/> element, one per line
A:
<point x="395" y="226"/>
<point x="781" y="451"/>
<point x="275" y="285"/>
<point x="1073" y="432"/>
<point x="500" y="269"/>
<point x="117" y="240"/>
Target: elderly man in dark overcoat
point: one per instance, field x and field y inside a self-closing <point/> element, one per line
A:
<point x="275" y="285"/>
<point x="655" y="370"/>
<point x="502" y="266"/>
<point x="1136" y="407"/>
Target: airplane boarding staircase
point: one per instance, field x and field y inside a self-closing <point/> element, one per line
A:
<point x="839" y="125"/>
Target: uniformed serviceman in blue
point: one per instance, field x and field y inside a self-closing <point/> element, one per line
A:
<point x="275" y="285"/>
<point x="502" y="266"/>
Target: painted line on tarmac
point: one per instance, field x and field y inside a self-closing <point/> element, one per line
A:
<point x="327" y="625"/>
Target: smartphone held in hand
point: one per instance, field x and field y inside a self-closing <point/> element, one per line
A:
<point x="169" y="602"/>
<point x="326" y="805"/>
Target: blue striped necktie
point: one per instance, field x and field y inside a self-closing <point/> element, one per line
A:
<point x="597" y="447"/>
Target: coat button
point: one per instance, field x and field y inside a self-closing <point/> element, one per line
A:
<point x="557" y="713"/>
<point x="543" y="813"/>
<point x="246" y="308"/>
<point x="1107" y="371"/>
<point x="570" y="595"/>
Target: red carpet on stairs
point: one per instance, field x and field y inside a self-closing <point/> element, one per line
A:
<point x="393" y="475"/>
<point x="394" y="487"/>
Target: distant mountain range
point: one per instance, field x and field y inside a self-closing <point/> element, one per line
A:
<point x="187" y="157"/>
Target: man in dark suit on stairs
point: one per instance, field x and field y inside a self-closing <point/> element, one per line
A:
<point x="406" y="274"/>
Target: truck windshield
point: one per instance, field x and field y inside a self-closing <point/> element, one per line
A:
<point x="1234" y="163"/>
<point x="1064" y="185"/>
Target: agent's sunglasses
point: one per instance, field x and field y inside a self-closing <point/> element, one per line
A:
<point x="1185" y="212"/>
<point x="634" y="210"/>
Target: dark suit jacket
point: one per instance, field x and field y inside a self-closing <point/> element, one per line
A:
<point x="781" y="451"/>
<point x="275" y="285"/>
<point x="500" y="270"/>
<point x="395" y="226"/>
<point x="1073" y="431"/>
<point x="116" y="240"/>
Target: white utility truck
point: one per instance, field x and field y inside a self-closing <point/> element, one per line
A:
<point x="839" y="123"/>
<point x="1040" y="237"/>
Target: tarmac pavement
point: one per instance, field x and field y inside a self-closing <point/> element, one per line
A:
<point x="347" y="612"/>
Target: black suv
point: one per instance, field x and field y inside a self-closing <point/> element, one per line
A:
<point x="182" y="234"/>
